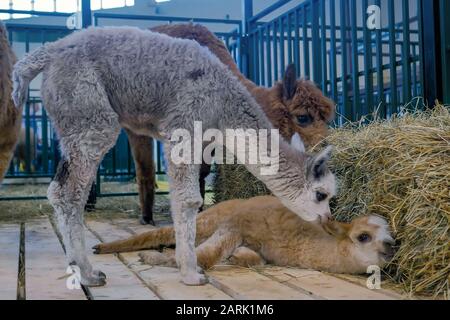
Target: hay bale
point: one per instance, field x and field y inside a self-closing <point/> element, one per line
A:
<point x="234" y="181"/>
<point x="400" y="168"/>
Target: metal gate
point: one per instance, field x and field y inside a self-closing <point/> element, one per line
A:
<point x="362" y="67"/>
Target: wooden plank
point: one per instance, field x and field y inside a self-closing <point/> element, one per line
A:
<point x="243" y="283"/>
<point x="121" y="282"/>
<point x="165" y="282"/>
<point x="9" y="261"/>
<point x="323" y="285"/>
<point x="362" y="281"/>
<point x="45" y="263"/>
<point x="106" y="231"/>
<point x="132" y="225"/>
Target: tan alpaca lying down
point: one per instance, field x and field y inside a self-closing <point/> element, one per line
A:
<point x="259" y="230"/>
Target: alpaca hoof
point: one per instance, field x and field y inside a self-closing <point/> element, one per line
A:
<point x="195" y="279"/>
<point x="145" y="221"/>
<point x="96" y="249"/>
<point x="99" y="249"/>
<point x="200" y="270"/>
<point x="95" y="279"/>
<point x="89" y="207"/>
<point x="99" y="274"/>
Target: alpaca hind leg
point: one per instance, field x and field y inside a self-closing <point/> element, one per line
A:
<point x="88" y="128"/>
<point x="205" y="169"/>
<point x="218" y="247"/>
<point x="68" y="194"/>
<point x="142" y="150"/>
<point x="185" y="200"/>
<point x="246" y="257"/>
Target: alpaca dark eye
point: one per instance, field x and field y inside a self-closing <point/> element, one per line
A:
<point x="304" y="120"/>
<point x="364" y="237"/>
<point x="320" y="196"/>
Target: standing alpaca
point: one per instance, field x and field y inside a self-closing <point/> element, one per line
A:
<point x="10" y="117"/>
<point x="293" y="106"/>
<point x="101" y="79"/>
<point x="258" y="230"/>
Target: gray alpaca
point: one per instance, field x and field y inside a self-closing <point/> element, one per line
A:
<point x="101" y="79"/>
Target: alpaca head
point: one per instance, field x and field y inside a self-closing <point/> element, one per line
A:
<point x="368" y="238"/>
<point x="301" y="108"/>
<point x="313" y="202"/>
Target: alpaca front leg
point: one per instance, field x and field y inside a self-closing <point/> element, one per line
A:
<point x="185" y="201"/>
<point x="184" y="219"/>
<point x="218" y="247"/>
<point x="246" y="257"/>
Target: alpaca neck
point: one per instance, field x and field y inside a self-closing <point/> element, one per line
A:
<point x="339" y="250"/>
<point x="333" y="254"/>
<point x="258" y="92"/>
<point x="284" y="172"/>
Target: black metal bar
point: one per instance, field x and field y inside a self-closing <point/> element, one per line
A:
<point x="282" y="44"/>
<point x="445" y="48"/>
<point x="356" y="112"/>
<point x="323" y="38"/>
<point x="269" y="57"/>
<point x="262" y="60"/>
<point x="346" y="108"/>
<point x="86" y="13"/>
<point x="315" y="32"/>
<point x="275" y="50"/>
<point x="297" y="42"/>
<point x="368" y="77"/>
<point x="393" y="58"/>
<point x="431" y="52"/>
<point x="406" y="53"/>
<point x="379" y="70"/>
<point x="305" y="41"/>
<point x="333" y="62"/>
<point x="37" y="13"/>
<point x="165" y="18"/>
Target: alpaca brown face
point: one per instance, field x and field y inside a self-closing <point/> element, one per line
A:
<point x="372" y="241"/>
<point x="368" y="241"/>
<point x="306" y="110"/>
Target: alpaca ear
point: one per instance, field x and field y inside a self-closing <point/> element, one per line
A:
<point x="297" y="143"/>
<point x="337" y="229"/>
<point x="289" y="82"/>
<point x="318" y="165"/>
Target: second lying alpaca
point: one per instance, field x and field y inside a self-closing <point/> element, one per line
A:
<point x="261" y="229"/>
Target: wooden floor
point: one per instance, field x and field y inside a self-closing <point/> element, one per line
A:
<point x="42" y="268"/>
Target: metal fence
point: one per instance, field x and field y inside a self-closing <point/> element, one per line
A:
<point x="329" y="41"/>
<point x="362" y="69"/>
